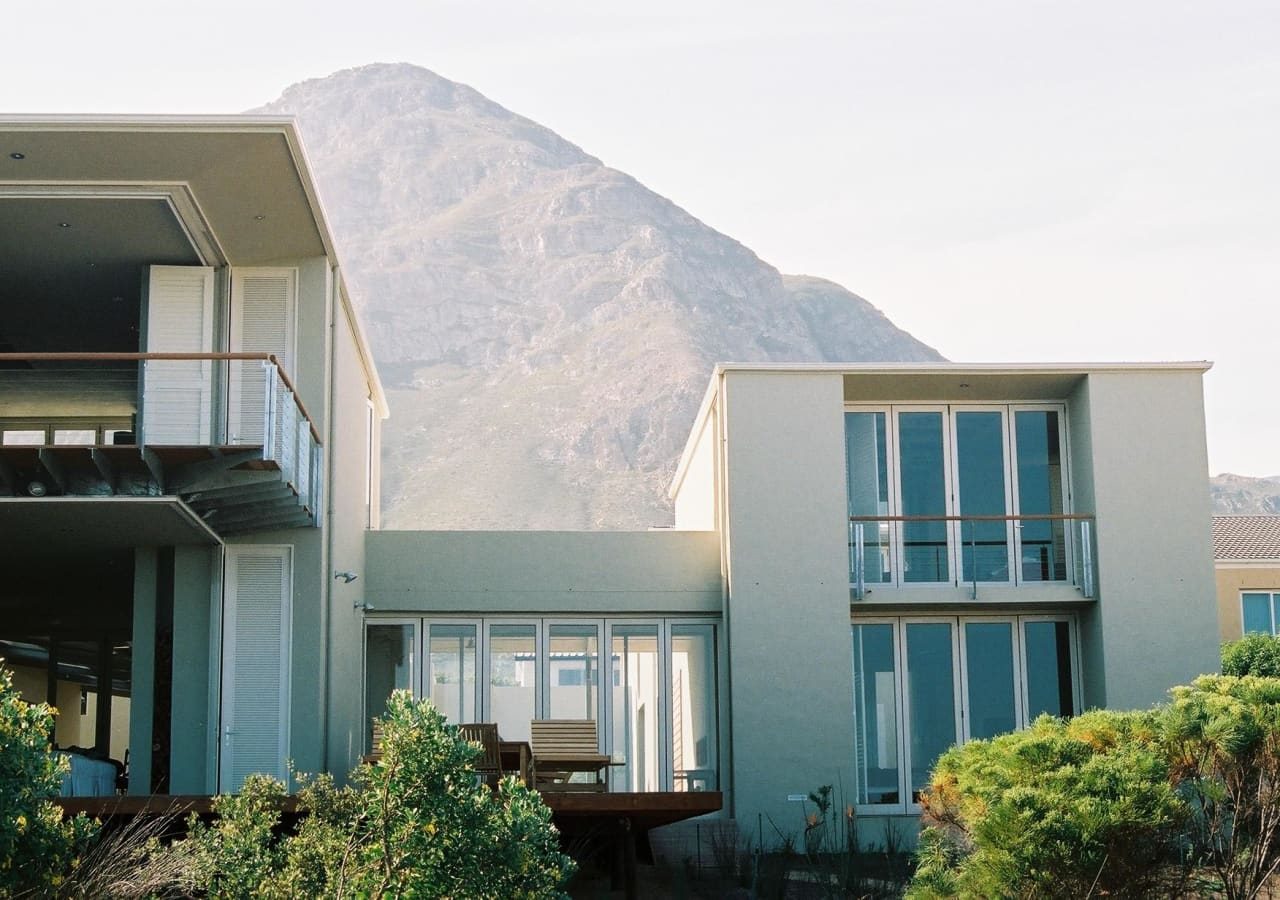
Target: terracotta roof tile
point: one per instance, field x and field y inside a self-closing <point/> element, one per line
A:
<point x="1246" y="537"/>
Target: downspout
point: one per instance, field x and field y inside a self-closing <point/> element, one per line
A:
<point x="326" y="547"/>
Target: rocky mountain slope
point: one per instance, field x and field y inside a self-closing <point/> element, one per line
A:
<point x="1240" y="495"/>
<point x="545" y="325"/>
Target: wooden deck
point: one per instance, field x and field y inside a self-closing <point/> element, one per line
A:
<point x="572" y="811"/>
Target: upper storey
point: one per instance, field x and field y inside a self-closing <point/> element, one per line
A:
<point x="943" y="483"/>
<point x="167" y="291"/>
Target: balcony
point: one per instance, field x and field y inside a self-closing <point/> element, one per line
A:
<point x="224" y="432"/>
<point x="972" y="552"/>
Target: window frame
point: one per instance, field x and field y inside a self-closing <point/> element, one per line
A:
<point x="1273" y="596"/>
<point x="907" y="804"/>
<point x="542" y="625"/>
<point x="897" y="532"/>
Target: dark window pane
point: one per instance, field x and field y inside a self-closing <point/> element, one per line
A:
<point x="980" y="464"/>
<point x="1040" y="493"/>
<point x="1049" y="685"/>
<point x="924" y="493"/>
<point x="989" y="657"/>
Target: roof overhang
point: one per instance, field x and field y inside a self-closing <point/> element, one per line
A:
<point x="40" y="524"/>
<point x="241" y="185"/>
<point x="934" y="382"/>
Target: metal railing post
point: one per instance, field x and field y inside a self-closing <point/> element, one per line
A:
<point x="270" y="412"/>
<point x="973" y="556"/>
<point x="859" y="562"/>
<point x="1086" y="558"/>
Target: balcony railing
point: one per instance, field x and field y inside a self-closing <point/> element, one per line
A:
<point x="971" y="550"/>
<point x="179" y="408"/>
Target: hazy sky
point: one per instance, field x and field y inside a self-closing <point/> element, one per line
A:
<point x="1007" y="180"/>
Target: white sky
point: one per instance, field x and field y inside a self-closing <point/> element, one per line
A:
<point x="1019" y="180"/>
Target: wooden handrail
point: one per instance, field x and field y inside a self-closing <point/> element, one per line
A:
<point x="144" y="357"/>
<point x="1041" y="517"/>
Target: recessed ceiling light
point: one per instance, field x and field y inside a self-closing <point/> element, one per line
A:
<point x="16" y="155"/>
<point x="64" y="224"/>
<point x="259" y="217"/>
<point x="964" y="384"/>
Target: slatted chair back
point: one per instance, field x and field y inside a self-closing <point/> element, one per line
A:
<point x="564" y="737"/>
<point x="489" y="762"/>
<point x="375" y="744"/>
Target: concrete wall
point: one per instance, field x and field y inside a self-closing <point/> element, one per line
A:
<point x="544" y="572"/>
<point x="347" y="518"/>
<point x="695" y="498"/>
<point x="788" y="609"/>
<point x="1232" y="580"/>
<point x="1154" y="548"/>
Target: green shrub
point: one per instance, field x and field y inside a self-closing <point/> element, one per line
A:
<point x="38" y="847"/>
<point x="1253" y="654"/>
<point x="415" y="824"/>
<point x="1221" y="736"/>
<point x="1063" y="809"/>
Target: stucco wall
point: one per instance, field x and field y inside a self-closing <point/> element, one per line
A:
<point x="1231" y="581"/>
<point x="695" y="499"/>
<point x="1155" y="608"/>
<point x="790" y="646"/>
<point x="602" y="572"/>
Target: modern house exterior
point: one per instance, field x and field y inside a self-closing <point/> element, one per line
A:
<point x="189" y="432"/>
<point x="869" y="562"/>
<point x="1246" y="553"/>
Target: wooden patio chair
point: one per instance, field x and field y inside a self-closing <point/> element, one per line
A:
<point x="488" y="764"/>
<point x="375" y="745"/>
<point x="562" y="748"/>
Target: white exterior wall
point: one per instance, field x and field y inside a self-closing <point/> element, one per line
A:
<point x="1156" y="613"/>
<point x="790" y="645"/>
<point x="695" y="495"/>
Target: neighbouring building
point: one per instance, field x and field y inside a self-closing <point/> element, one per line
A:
<point x="1246" y="553"/>
<point x="869" y="562"/>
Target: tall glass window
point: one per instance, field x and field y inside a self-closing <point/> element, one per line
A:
<point x="452" y="652"/>
<point x="868" y="479"/>
<point x="1050" y="688"/>
<point x="988" y="648"/>
<point x="931" y="697"/>
<point x="875" y="694"/>
<point x="1039" y="463"/>
<point x="574" y="657"/>
<point x="635" y="714"/>
<point x="693" y="707"/>
<point x="513" y="668"/>
<point x="388" y="665"/>
<point x="924" y="493"/>
<point x="984" y="544"/>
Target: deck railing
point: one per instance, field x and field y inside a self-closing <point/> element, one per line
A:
<point x="223" y="400"/>
<point x="971" y="550"/>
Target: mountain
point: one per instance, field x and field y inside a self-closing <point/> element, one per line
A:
<point x="1240" y="495"/>
<point x="545" y="325"/>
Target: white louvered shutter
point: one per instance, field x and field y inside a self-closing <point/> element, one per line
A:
<point x="255" y="664"/>
<point x="263" y="303"/>
<point x="177" y="395"/>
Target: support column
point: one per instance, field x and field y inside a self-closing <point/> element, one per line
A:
<point x="142" y="677"/>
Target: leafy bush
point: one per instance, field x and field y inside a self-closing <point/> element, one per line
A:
<point x="1253" y="654"/>
<point x="415" y="824"/>
<point x="1075" y="808"/>
<point x="38" y="847"/>
<point x="1222" y="740"/>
